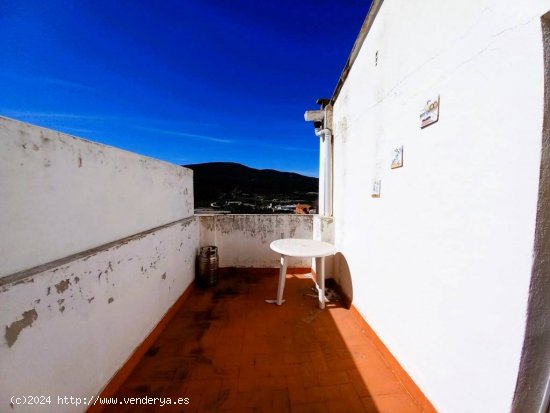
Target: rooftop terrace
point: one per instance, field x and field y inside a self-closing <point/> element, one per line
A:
<point x="228" y="351"/>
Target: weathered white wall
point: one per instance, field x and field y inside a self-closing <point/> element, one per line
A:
<point x="96" y="244"/>
<point x="70" y="328"/>
<point x="243" y="240"/>
<point x="440" y="264"/>
<point x="60" y="195"/>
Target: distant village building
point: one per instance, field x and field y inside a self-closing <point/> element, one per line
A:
<point x="284" y="207"/>
<point x="302" y="209"/>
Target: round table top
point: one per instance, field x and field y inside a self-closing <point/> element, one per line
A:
<point x="296" y="247"/>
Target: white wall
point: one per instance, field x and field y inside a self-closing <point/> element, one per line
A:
<point x="441" y="263"/>
<point x="243" y="240"/>
<point x="70" y="328"/>
<point x="60" y="195"/>
<point x="114" y="238"/>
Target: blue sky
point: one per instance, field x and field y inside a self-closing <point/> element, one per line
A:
<point x="186" y="81"/>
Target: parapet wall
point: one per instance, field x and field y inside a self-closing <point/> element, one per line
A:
<point x="68" y="329"/>
<point x="96" y="245"/>
<point x="60" y="195"/>
<point x="243" y="240"/>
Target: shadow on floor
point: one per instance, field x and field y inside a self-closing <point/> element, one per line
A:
<point x="226" y="350"/>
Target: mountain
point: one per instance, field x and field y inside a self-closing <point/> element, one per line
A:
<point x="232" y="181"/>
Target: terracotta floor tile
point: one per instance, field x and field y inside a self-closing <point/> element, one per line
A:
<point x="349" y="396"/>
<point x="297" y="390"/>
<point x="392" y="403"/>
<point x="333" y="378"/>
<point x="229" y="351"/>
<point x="374" y="382"/>
<point x="245" y="385"/>
<point x="309" y="408"/>
<point x="324" y="393"/>
<point x="264" y="400"/>
<point x="318" y="362"/>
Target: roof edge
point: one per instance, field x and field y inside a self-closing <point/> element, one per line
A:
<point x="365" y="28"/>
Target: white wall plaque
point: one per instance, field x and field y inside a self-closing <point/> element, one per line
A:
<point x="397" y="157"/>
<point x="430" y="113"/>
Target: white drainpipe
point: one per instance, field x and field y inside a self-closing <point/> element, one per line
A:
<point x="325" y="172"/>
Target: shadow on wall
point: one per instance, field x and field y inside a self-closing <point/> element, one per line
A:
<point x="343" y="278"/>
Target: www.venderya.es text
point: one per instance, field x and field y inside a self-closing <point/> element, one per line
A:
<point x="95" y="400"/>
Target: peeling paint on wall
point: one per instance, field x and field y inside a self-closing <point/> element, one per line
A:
<point x="243" y="240"/>
<point x="62" y="286"/>
<point x="75" y="329"/>
<point x="25" y="281"/>
<point x="166" y="194"/>
<point x="12" y="332"/>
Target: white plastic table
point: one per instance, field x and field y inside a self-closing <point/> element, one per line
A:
<point x="304" y="248"/>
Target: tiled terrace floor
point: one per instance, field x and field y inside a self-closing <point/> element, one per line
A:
<point x="229" y="351"/>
